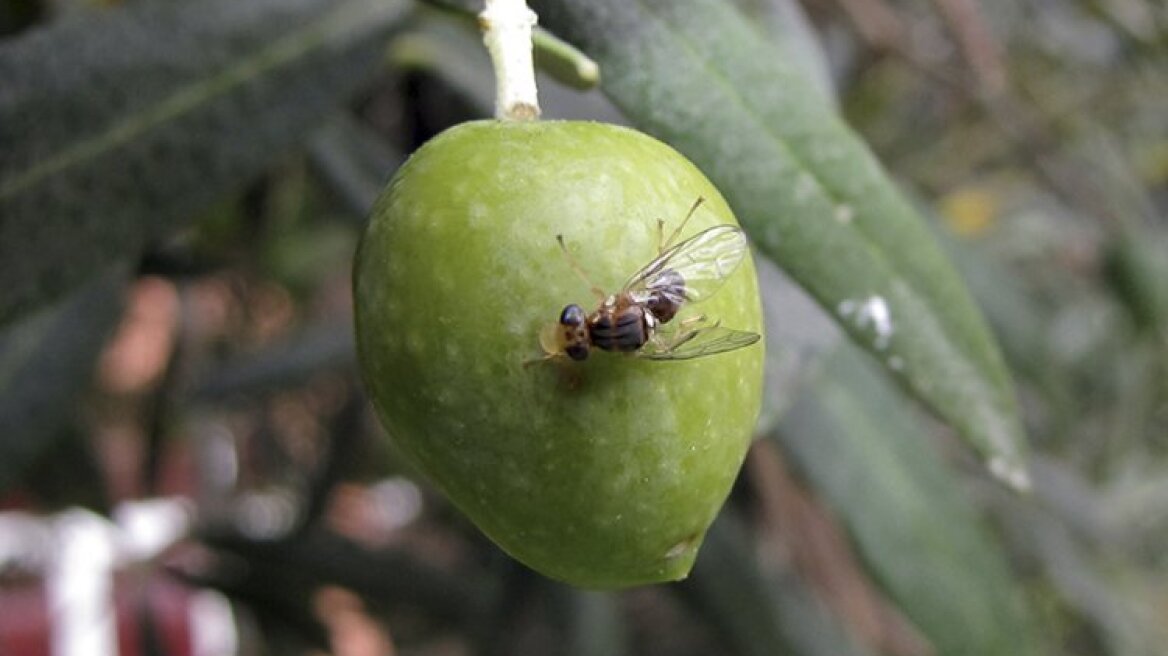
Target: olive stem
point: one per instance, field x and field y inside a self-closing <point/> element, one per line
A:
<point x="507" y="26"/>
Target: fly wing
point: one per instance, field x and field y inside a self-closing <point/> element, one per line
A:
<point x="694" y="269"/>
<point x="698" y="344"/>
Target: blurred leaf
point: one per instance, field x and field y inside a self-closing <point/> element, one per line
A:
<point x="282" y="574"/>
<point x="798" y="335"/>
<point x="1066" y="495"/>
<point x="46" y="361"/>
<point x="1129" y="626"/>
<point x="286" y="364"/>
<point x="1016" y="318"/>
<point x="861" y="448"/>
<point x="470" y="7"/>
<point x="787" y="23"/>
<point x="810" y="194"/>
<point x="580" y="622"/>
<point x="798" y="332"/>
<point x="799" y="533"/>
<point x="453" y="53"/>
<point x="300" y="256"/>
<point x="759" y="614"/>
<point x="595" y="624"/>
<point x="68" y="472"/>
<point x="354" y="163"/>
<point x="336" y="463"/>
<point x="563" y="62"/>
<point x="117" y="129"/>
<point x="1137" y="266"/>
<point x="1022" y="324"/>
<point x="553" y="56"/>
<point x="16" y="15"/>
<point x="1136" y="263"/>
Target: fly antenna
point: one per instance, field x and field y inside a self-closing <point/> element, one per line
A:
<point x="677" y="231"/>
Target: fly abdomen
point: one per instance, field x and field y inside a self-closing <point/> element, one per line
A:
<point x="667" y="295"/>
<point x="622" y="330"/>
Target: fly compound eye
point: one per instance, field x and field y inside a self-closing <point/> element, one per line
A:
<point x="577" y="352"/>
<point x="573" y="315"/>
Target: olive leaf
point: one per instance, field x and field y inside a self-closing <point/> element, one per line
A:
<point x="851" y="435"/>
<point x="354" y="163"/>
<point x="46" y="360"/>
<point x="785" y="22"/>
<point x="811" y="195"/>
<point x="760" y="612"/>
<point x="595" y="623"/>
<point x="118" y="129"/>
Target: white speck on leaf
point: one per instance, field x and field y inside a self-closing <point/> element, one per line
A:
<point x="873" y="312"/>
<point x="804" y="187"/>
<point x="844" y="214"/>
<point x="1012" y="474"/>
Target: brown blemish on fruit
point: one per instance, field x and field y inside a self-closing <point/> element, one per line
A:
<point x="571" y="378"/>
<point x="683" y="547"/>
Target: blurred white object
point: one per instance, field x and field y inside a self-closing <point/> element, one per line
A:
<point x="79" y="584"/>
<point x="87" y="609"/>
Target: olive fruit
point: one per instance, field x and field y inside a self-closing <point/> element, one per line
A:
<point x="601" y="473"/>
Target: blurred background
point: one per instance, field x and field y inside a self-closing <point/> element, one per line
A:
<point x="188" y="464"/>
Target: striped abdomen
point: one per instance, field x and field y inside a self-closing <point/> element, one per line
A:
<point x="619" y="329"/>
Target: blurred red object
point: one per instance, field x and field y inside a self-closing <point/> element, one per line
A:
<point x="78" y="584"/>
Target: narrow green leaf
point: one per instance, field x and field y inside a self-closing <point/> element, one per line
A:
<point x="354" y="162"/>
<point x="453" y="54"/>
<point x="1085" y="579"/>
<point x="282" y="573"/>
<point x="1017" y="319"/>
<point x="798" y="336"/>
<point x="1138" y="270"/>
<point x="857" y="442"/>
<point x="46" y="361"/>
<point x="563" y="61"/>
<point x="1021" y="323"/>
<point x="67" y="471"/>
<point x="328" y="346"/>
<point x="811" y="195"/>
<point x="118" y="129"/>
<point x="596" y="625"/>
<point x="760" y="613"/>
<point x="787" y="23"/>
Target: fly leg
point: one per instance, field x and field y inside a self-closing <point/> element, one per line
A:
<point x="687" y="329"/>
<point x="544" y="358"/>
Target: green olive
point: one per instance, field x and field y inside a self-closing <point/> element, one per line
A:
<point x="602" y="473"/>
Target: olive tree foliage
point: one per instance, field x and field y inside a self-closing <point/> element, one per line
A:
<point x="964" y="287"/>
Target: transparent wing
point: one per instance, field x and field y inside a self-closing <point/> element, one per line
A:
<point x="698" y="344"/>
<point x="694" y="269"/>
